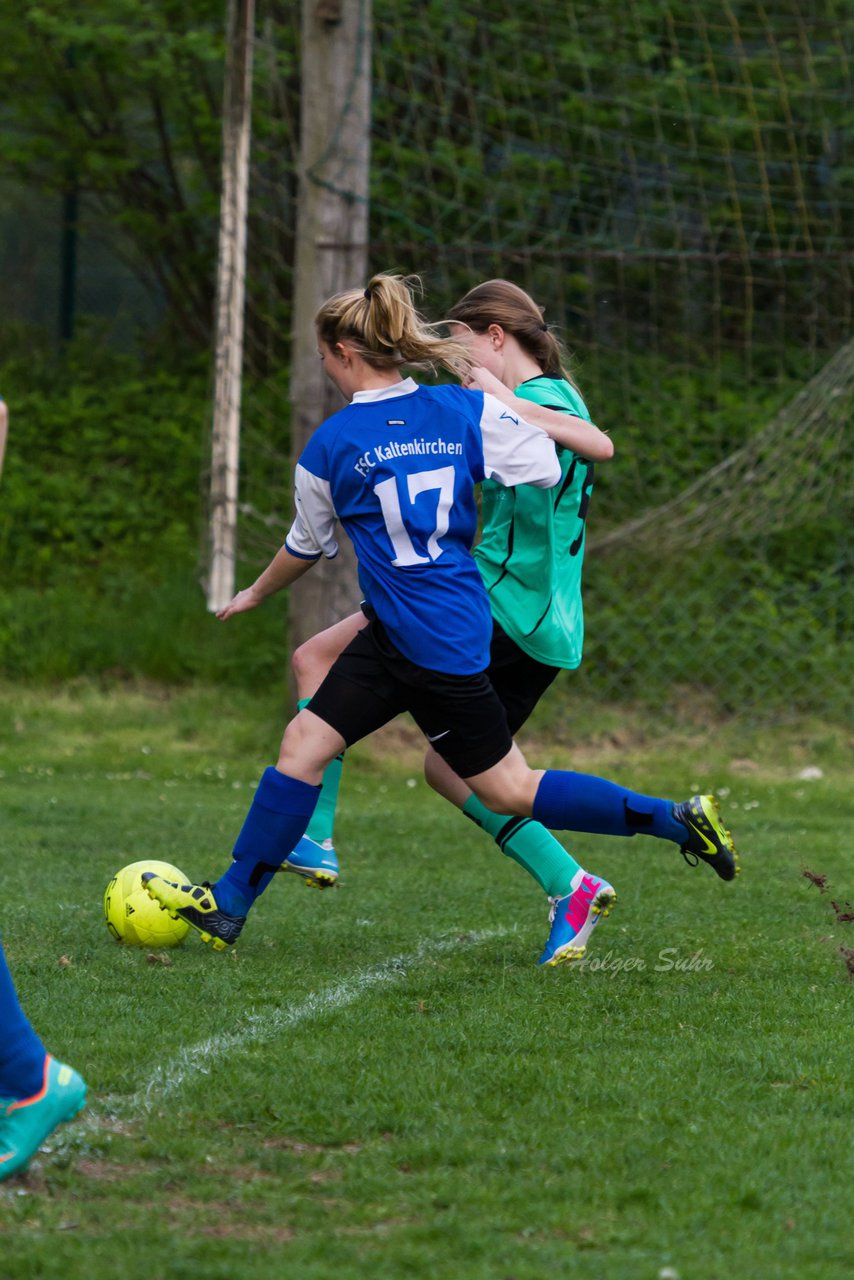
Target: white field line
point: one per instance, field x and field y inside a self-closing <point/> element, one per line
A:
<point x="170" y="1076"/>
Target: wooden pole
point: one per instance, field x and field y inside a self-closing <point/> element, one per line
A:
<point x="331" y="249"/>
<point x="231" y="290"/>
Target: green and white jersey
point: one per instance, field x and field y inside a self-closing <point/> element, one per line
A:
<point x="532" y="548"/>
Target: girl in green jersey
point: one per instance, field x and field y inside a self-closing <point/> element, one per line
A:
<point x="530" y="557"/>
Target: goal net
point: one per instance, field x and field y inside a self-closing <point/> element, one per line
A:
<point x="669" y="182"/>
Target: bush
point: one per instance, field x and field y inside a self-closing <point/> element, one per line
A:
<point x="139" y="627"/>
<point x="100" y="512"/>
<point x="102" y="466"/>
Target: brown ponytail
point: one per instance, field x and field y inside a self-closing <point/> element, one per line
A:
<point x="503" y="303"/>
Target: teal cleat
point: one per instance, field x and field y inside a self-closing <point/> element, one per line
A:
<point x="316" y="863"/>
<point x="26" y="1122"/>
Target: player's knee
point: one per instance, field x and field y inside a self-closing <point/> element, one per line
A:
<point x="301" y="662"/>
<point x="509" y="787"/>
<point x="302" y="753"/>
<point x="501" y="796"/>
<point x="309" y="663"/>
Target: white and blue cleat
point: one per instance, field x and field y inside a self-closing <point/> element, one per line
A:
<point x="316" y="863"/>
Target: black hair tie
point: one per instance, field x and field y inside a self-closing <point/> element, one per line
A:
<point x="367" y="295"/>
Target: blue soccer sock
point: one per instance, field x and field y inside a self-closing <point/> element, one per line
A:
<point x="582" y="802"/>
<point x="275" y="822"/>
<point x="22" y="1054"/>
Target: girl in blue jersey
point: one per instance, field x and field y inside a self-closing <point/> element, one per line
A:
<point x="397" y="467"/>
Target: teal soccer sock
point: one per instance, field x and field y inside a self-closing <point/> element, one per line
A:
<point x="529" y="844"/>
<point x="322" y="822"/>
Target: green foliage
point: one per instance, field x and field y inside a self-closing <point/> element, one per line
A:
<point x="100" y="518"/>
<point x="728" y="622"/>
<point x="689" y="163"/>
<point x="693" y="163"/>
<point x="144" y="623"/>
<point x="121" y="100"/>
<point x="673" y="420"/>
<point x="103" y="463"/>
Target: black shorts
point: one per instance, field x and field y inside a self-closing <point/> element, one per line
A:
<point x="518" y="679"/>
<point x="371" y="682"/>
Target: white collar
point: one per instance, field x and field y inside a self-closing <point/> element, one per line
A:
<point x="404" y="388"/>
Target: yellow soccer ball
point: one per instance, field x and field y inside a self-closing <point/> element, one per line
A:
<point x="134" y="918"/>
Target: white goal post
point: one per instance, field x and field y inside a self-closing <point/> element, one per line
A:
<point x="230" y="294"/>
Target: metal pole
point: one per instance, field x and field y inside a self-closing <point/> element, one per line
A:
<point x="68" y="262"/>
<point x="68" y="244"/>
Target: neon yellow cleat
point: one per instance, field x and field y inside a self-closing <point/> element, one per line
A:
<point x="708" y="838"/>
<point x="196" y="904"/>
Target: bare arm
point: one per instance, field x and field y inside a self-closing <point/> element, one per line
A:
<point x="282" y="570"/>
<point x="311" y="534"/>
<point x="577" y="434"/>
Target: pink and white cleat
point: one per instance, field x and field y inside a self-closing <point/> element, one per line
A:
<point x="575" y="916"/>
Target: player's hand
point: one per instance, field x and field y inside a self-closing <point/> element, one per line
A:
<point x="242" y="603"/>
<point x="481" y="379"/>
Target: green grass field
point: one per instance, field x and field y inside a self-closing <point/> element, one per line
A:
<point x="379" y="1081"/>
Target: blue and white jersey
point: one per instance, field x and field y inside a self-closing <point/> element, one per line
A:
<point x="398" y="468"/>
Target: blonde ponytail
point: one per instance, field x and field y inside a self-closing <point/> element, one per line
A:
<point x="383" y="326"/>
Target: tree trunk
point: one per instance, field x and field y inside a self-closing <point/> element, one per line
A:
<point x="331" y="250"/>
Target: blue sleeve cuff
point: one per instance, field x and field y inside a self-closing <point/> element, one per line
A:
<point x="299" y="554"/>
